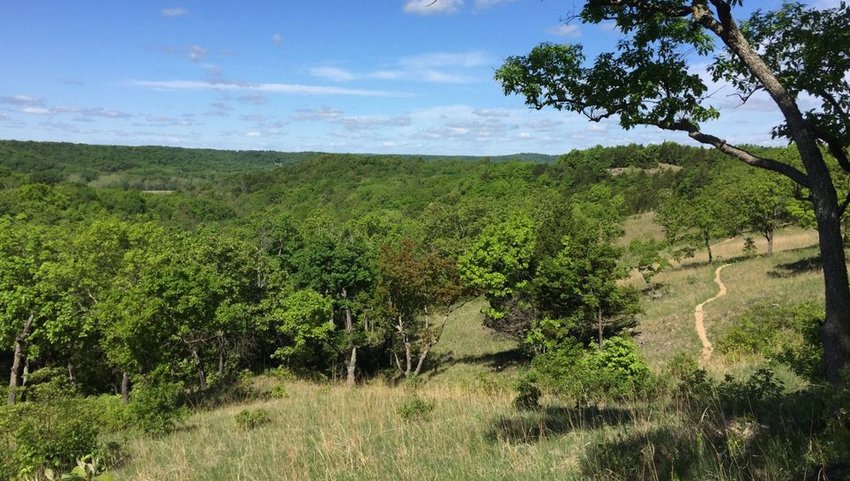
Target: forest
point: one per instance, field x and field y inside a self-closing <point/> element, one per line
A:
<point x="142" y="287"/>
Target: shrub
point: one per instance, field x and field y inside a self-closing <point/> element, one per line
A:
<point x="617" y="369"/>
<point x="248" y="419"/>
<point x="614" y="370"/>
<point x="51" y="435"/>
<point x="415" y="409"/>
<point x="278" y="391"/>
<point x="154" y="404"/>
<point x="787" y="334"/>
<point x="528" y="394"/>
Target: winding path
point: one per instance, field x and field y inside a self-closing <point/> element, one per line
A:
<point x="707" y="348"/>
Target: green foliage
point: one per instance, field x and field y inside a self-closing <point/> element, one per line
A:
<point x="749" y="249"/>
<point x="88" y="468"/>
<point x="499" y="261"/>
<point x="278" y="391"/>
<point x="579" y="293"/>
<point x="250" y="419"/>
<point x="528" y="394"/>
<point x="499" y="264"/>
<point x="155" y="404"/>
<point x="613" y="371"/>
<point x="303" y="317"/>
<point x="416" y="409"/>
<point x="785" y="334"/>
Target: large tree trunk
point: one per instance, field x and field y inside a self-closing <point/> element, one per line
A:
<point x="836" y="329"/>
<point x="17" y="360"/>
<point x="707" y="241"/>
<point x="422" y="356"/>
<point x="408" y="358"/>
<point x="72" y="373"/>
<point x="351" y="365"/>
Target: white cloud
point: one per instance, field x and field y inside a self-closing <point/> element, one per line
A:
<point x="332" y="73"/>
<point x="21" y="100"/>
<point x="108" y="113"/>
<point x="436" y="76"/>
<point x="427" y="67"/>
<point x="277" y="40"/>
<point x="36" y="111"/>
<point x="485" y="4"/>
<point x="490" y="113"/>
<point x="174" y="12"/>
<point x="322" y="113"/>
<point x="259" y="118"/>
<point x="196" y="53"/>
<point x="566" y="30"/>
<point x="253" y="134"/>
<point x="447" y="59"/>
<point x="280" y="88"/>
<point x="253" y="99"/>
<point x="431" y="7"/>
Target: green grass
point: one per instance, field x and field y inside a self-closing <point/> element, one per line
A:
<point x="472" y="355"/>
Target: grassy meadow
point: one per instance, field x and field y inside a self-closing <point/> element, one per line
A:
<point x="468" y="427"/>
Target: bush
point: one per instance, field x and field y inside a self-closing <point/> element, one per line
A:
<point x="528" y="394"/>
<point x="247" y="419"/>
<point x="613" y="371"/>
<point x="787" y="334"/>
<point x="278" y="391"/>
<point x="154" y="405"/>
<point x="38" y="436"/>
<point x="415" y="409"/>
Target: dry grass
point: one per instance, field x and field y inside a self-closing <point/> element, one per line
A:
<point x="640" y="226"/>
<point x="324" y="433"/>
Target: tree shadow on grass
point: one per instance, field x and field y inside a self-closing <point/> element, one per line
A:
<point x="736" y="430"/>
<point x="802" y="266"/>
<point x="498" y="360"/>
<point x="660" y="454"/>
<point x="495" y="361"/>
<point x="532" y="426"/>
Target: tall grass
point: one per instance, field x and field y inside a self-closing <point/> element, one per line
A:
<point x="324" y="432"/>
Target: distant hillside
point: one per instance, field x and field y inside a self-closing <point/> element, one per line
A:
<point x="145" y="168"/>
<point x="167" y="168"/>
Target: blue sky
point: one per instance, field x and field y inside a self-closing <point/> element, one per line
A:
<point x="381" y="76"/>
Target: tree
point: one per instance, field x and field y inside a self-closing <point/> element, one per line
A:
<point x="578" y="293"/>
<point x="22" y="252"/>
<point x="762" y="202"/>
<point x="696" y="220"/>
<point x="500" y="264"/>
<point x="646" y="81"/>
<point x="647" y="259"/>
<point x="416" y="285"/>
<point x="336" y="261"/>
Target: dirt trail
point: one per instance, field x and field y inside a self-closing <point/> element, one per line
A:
<point x="707" y="348"/>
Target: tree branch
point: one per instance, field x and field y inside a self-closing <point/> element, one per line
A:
<point x="747" y="157"/>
